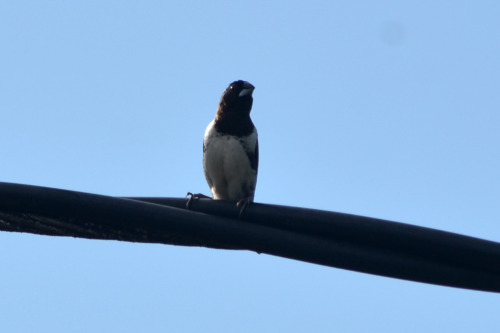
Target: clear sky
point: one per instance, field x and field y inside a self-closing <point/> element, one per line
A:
<point x="388" y="109"/>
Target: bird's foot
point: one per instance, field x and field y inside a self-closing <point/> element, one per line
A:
<point x="243" y="204"/>
<point x="192" y="197"/>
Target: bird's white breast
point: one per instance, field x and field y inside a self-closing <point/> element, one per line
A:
<point x="227" y="166"/>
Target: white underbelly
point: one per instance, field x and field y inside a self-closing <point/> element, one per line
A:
<point x="228" y="170"/>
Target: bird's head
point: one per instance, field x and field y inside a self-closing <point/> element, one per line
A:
<point x="237" y="99"/>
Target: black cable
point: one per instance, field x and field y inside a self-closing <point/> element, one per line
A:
<point x="333" y="239"/>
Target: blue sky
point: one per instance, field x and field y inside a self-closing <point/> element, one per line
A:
<point x="386" y="109"/>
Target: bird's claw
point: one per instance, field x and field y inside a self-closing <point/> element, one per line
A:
<point x="192" y="197"/>
<point x="243" y="204"/>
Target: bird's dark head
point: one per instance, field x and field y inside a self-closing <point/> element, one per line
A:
<point x="236" y="100"/>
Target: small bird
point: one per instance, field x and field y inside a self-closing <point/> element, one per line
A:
<point x="231" y="148"/>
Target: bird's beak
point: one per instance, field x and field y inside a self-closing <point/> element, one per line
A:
<point x="247" y="89"/>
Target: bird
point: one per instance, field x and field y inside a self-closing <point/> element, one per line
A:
<point x="231" y="147"/>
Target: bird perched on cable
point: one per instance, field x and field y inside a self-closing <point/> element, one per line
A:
<point x="231" y="148"/>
